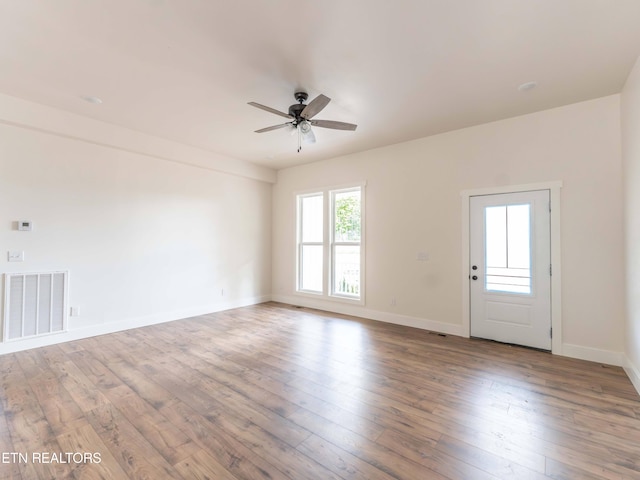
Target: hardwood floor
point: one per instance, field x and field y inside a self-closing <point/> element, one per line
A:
<point x="276" y="392"/>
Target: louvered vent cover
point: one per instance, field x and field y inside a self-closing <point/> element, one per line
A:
<point x="35" y="304"/>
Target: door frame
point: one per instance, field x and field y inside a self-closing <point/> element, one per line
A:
<point x="556" y="277"/>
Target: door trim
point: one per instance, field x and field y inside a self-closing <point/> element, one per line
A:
<point x="556" y="278"/>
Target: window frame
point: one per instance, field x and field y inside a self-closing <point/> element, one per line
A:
<point x="333" y="243"/>
<point x="300" y="243"/>
<point x="329" y="244"/>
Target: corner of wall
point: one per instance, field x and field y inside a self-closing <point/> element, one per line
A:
<point x="629" y="124"/>
<point x="633" y="372"/>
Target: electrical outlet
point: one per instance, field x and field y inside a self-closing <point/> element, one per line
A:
<point x="25" y="225"/>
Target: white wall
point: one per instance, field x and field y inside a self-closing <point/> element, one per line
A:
<point x="414" y="204"/>
<point x="145" y="239"/>
<point x="630" y="108"/>
<point x="152" y="231"/>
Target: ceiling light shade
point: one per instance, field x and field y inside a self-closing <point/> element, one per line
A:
<point x="305" y="127"/>
<point x="309" y="137"/>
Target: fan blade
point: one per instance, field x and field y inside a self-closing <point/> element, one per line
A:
<point x="269" y="109"/>
<point x="274" y="127"/>
<point x="314" y="107"/>
<point x="333" y="124"/>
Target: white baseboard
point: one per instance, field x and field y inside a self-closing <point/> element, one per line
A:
<point x="574" y="351"/>
<point x="122" y="325"/>
<point x="568" y="350"/>
<point x="363" y="312"/>
<point x="633" y="372"/>
<point x="593" y="354"/>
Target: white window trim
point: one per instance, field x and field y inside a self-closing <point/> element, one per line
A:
<point x="328" y="244"/>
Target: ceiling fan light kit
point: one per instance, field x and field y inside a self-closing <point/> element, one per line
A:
<point x="301" y="116"/>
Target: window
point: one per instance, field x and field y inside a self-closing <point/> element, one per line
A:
<point x="508" y="249"/>
<point x="330" y="243"/>
<point x="311" y="244"/>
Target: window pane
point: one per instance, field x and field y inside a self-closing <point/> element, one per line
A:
<point x="508" y="249"/>
<point x="496" y="236"/>
<point x="346" y="271"/>
<point x="311" y="268"/>
<point x="518" y="234"/>
<point x="347" y="216"/>
<point x="311" y="217"/>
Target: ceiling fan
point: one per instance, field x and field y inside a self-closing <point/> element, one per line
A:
<point x="301" y="118"/>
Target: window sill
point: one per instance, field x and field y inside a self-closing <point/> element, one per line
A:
<point x="331" y="298"/>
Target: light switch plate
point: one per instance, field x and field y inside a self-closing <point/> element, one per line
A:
<point x="16" y="256"/>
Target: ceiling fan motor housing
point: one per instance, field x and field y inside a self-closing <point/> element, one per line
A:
<point x="295" y="111"/>
<point x="301" y="96"/>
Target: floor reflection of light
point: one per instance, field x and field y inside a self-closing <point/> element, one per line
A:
<point x="503" y="417"/>
<point x="333" y="351"/>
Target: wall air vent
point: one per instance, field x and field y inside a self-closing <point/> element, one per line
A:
<point x="35" y="304"/>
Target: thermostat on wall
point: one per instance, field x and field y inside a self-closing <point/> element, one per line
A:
<point x="25" y="225"/>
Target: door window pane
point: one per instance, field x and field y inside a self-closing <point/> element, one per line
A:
<point x="508" y="248"/>
<point x="518" y="236"/>
<point x="496" y="236"/>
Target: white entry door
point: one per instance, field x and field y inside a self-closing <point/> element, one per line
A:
<point x="510" y="268"/>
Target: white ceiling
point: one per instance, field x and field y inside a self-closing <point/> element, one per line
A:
<point x="184" y="70"/>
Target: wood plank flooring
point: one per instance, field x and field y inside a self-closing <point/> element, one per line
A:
<point x="275" y="392"/>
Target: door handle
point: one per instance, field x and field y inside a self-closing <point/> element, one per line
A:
<point x="475" y="277"/>
<point x="474" y="267"/>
